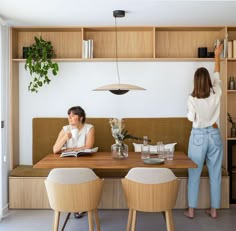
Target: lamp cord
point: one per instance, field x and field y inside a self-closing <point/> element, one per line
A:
<point x="117" y="67"/>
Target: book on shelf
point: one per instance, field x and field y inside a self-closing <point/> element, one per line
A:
<point x="87" y="49"/>
<point x="84" y="152"/>
<point x="225" y="50"/>
<point x="234" y="48"/>
<point x="230" y="49"/>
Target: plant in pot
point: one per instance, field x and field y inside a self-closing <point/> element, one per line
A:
<point x="39" y="63"/>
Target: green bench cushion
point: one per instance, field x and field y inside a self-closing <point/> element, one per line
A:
<point x="29" y="171"/>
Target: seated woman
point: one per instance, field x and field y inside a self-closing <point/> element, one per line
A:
<point x="76" y="136"/>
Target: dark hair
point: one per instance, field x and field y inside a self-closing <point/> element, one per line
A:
<point x="202" y="84"/>
<point x="77" y="110"/>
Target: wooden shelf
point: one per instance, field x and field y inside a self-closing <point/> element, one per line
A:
<point x="128" y="60"/>
<point x="184" y="41"/>
<point x="133" y="43"/>
<point x="231" y="138"/>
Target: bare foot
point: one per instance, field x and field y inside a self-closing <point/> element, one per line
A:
<point x="212" y="213"/>
<point x="189" y="213"/>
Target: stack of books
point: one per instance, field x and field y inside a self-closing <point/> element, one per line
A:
<point x="87" y="49"/>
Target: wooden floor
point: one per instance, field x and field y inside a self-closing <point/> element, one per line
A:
<point x="115" y="220"/>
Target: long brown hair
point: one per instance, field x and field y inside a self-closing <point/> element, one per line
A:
<point x="202" y="84"/>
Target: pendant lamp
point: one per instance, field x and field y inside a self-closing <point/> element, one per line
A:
<point x="118" y="89"/>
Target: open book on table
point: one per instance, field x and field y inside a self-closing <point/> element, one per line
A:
<point x="83" y="152"/>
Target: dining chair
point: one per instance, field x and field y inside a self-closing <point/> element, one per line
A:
<point x="150" y="190"/>
<point x="73" y="190"/>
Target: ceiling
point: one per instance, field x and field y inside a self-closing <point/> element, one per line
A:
<point x="99" y="12"/>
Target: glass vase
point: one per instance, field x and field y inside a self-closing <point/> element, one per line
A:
<point x="119" y="150"/>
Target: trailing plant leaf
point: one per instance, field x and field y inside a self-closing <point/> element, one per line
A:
<point x="39" y="63"/>
<point x="230" y="118"/>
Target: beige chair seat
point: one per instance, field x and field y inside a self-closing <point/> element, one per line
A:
<point x="150" y="190"/>
<point x="72" y="190"/>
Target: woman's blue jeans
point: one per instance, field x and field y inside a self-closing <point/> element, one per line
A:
<point x="205" y="144"/>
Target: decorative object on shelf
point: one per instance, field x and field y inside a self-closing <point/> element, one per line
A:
<point x="210" y="54"/>
<point x="25" y="52"/>
<point x="202" y="52"/>
<point x="230" y="49"/>
<point x="118" y="89"/>
<point x="233" y="128"/>
<point x="217" y="43"/>
<point x="120" y="149"/>
<point x="231" y="83"/>
<point x="234" y="49"/>
<point x="39" y="62"/>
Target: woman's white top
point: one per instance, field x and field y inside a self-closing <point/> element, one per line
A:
<point x="78" y="138"/>
<point x="205" y="112"/>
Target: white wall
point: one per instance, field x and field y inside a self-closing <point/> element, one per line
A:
<point x="4" y="116"/>
<point x="168" y="85"/>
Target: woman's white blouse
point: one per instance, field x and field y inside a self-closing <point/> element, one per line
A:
<point x="205" y="112"/>
<point x="78" y="138"/>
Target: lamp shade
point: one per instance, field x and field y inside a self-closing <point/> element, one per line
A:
<point x="118" y="89"/>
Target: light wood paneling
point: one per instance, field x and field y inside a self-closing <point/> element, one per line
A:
<point x="231" y="33"/>
<point x="131" y="43"/>
<point x="27" y="192"/>
<point x="14" y="105"/>
<point x="184" y="42"/>
<point x="223" y="109"/>
<point x="66" y="44"/>
<point x="30" y="193"/>
<point x="113" y="195"/>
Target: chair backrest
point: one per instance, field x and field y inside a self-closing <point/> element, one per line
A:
<point x="73" y="189"/>
<point x="150" y="189"/>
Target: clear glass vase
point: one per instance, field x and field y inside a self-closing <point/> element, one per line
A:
<point x="119" y="150"/>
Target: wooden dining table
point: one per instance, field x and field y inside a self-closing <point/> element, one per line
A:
<point x="104" y="161"/>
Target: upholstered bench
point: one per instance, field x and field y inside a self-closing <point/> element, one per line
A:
<point x="26" y="184"/>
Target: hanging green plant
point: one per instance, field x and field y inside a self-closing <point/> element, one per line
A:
<point x="38" y="62"/>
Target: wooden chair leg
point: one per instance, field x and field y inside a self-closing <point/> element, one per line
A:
<point x="97" y="220"/>
<point x="169" y="220"/>
<point x="56" y="220"/>
<point x="90" y="220"/>
<point x="129" y="220"/>
<point x="133" y="223"/>
<point x="65" y="222"/>
<point x="164" y="215"/>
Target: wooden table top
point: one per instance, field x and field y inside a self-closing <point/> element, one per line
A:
<point x="104" y="160"/>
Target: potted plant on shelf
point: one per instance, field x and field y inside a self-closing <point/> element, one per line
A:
<point x="233" y="128"/>
<point x="39" y="62"/>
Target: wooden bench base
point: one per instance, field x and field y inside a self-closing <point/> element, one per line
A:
<point x="30" y="193"/>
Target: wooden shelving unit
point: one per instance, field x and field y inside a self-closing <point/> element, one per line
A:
<point x="231" y="99"/>
<point x="135" y="44"/>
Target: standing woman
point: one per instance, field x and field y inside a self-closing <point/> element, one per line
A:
<point x="205" y="142"/>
